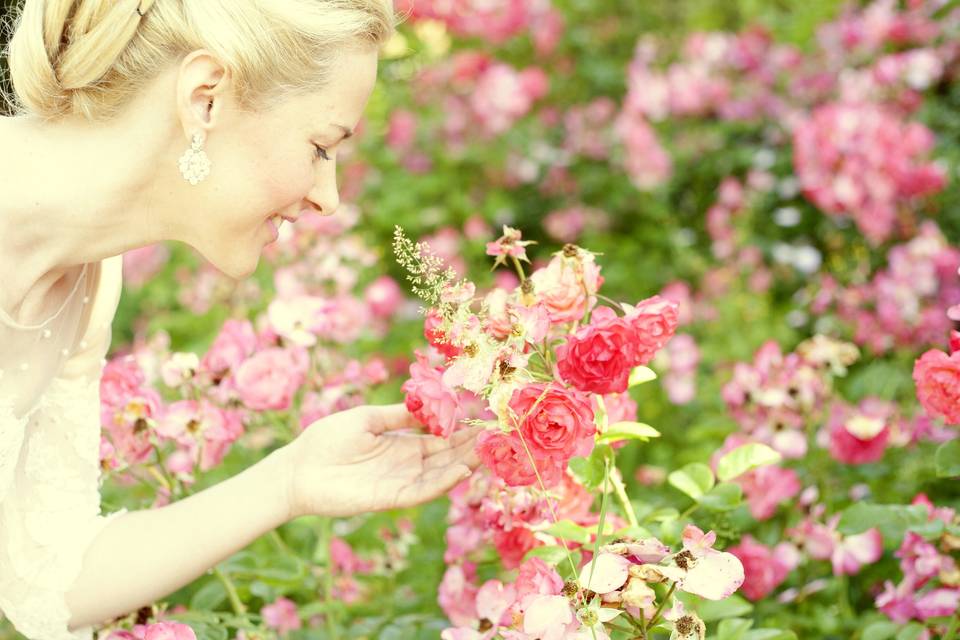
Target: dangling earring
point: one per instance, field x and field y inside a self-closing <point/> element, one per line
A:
<point x="194" y="163"/>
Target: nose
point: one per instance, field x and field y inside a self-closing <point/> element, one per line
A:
<point x="324" y="198"/>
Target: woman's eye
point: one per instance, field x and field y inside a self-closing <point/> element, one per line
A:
<point x="321" y="152"/>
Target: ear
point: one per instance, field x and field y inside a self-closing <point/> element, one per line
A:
<point x="204" y="87"/>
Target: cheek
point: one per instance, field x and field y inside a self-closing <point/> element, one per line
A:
<point x="286" y="182"/>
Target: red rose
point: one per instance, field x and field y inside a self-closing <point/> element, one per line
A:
<point x="937" y="376"/>
<point x="505" y="456"/>
<point x="599" y="357"/>
<point x="559" y="426"/>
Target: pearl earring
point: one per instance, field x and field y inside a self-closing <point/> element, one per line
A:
<point x="194" y="163"/>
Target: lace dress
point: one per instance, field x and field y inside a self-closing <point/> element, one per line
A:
<point x="49" y="451"/>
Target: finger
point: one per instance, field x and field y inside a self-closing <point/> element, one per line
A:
<point x="465" y="453"/>
<point x="432" y="484"/>
<point x="435" y="444"/>
<point x="390" y="417"/>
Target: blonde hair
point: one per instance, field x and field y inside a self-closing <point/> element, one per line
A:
<point x="90" y="57"/>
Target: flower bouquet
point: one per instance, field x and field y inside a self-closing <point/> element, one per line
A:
<point x="541" y="372"/>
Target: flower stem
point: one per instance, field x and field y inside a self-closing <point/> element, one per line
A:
<point x="519" y="268"/>
<point x="656" y="614"/>
<point x="954" y="627"/>
<point x="621" y="491"/>
<point x="238" y="606"/>
<point x="326" y="533"/>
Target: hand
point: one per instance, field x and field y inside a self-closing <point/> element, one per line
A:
<point x="367" y="459"/>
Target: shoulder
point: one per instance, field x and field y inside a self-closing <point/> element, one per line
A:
<point x="105" y="286"/>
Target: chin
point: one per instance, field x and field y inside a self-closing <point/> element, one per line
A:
<point x="232" y="268"/>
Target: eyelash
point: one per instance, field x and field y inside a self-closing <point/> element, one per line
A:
<point x="321" y="153"/>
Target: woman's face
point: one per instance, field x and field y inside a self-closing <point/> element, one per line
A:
<point x="279" y="162"/>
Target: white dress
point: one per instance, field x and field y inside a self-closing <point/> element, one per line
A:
<point x="49" y="451"/>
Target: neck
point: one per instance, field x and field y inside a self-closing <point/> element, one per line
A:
<point x="76" y="192"/>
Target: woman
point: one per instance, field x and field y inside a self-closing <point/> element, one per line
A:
<point x="138" y="122"/>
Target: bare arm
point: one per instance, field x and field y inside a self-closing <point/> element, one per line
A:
<point x="143" y="556"/>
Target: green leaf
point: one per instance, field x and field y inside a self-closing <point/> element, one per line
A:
<point x="733" y="628"/>
<point x="551" y="554"/>
<point x="735" y="605"/>
<point x="209" y="596"/>
<point x="628" y="431"/>
<point x="569" y="530"/>
<point x="893" y="520"/>
<point x="911" y="632"/>
<point x="770" y="634"/>
<point x="589" y="471"/>
<point x="744" y="458"/>
<point x="948" y="459"/>
<point x="640" y="375"/>
<point x="723" y="497"/>
<point x="883" y="630"/>
<point x="694" y="479"/>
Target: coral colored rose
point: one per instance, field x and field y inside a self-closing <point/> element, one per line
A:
<point x="269" y="379"/>
<point x="505" y="456"/>
<point x="555" y="422"/>
<point x="762" y="568"/>
<point x="654" y="320"/>
<point x="236" y="342"/>
<point x="937" y="376"/>
<point x="434" y="404"/>
<point x="599" y="357"/>
<point x="512" y="545"/>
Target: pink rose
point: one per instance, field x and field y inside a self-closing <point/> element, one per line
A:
<point x="655" y="321"/>
<point x="567" y="287"/>
<point x="559" y="426"/>
<point x="270" y="378"/>
<point x="436" y="336"/>
<point x="383" y="296"/>
<point x="857" y="437"/>
<point x="434" y="404"/>
<point x="536" y="576"/>
<point x="599" y="357"/>
<point x="169" y="631"/>
<point x="937" y="376"/>
<point x="235" y="342"/>
<point x="457" y="594"/>
<point x="766" y="487"/>
<point x="763" y="569"/>
<point x="505" y="456"/>
<point x="281" y="615"/>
